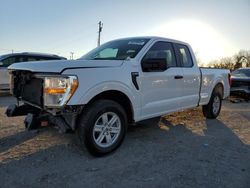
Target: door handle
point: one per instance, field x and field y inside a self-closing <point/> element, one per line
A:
<point x="178" y="77"/>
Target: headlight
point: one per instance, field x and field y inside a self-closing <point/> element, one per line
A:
<point x="58" y="90"/>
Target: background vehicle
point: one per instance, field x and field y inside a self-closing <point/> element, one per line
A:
<point x="121" y="82"/>
<point x="241" y="83"/>
<point x="8" y="59"/>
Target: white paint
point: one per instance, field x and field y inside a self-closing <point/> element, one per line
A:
<point x="159" y="92"/>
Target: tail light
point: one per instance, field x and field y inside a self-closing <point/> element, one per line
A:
<point x="229" y="79"/>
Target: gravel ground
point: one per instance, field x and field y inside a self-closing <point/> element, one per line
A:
<point x="179" y="150"/>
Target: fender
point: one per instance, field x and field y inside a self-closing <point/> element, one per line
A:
<point x="206" y="95"/>
<point x="107" y="86"/>
<point x="219" y="80"/>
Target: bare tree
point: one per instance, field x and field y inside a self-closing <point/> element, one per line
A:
<point x="241" y="59"/>
<point x="223" y="63"/>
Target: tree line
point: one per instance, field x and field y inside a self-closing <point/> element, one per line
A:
<point x="239" y="60"/>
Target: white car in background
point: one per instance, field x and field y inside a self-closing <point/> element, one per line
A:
<point x="9" y="59"/>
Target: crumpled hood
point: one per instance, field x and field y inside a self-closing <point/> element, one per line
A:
<point x="58" y="66"/>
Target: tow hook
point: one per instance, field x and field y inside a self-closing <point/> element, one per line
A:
<point x="31" y="122"/>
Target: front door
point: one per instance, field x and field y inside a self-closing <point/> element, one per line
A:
<point x="160" y="89"/>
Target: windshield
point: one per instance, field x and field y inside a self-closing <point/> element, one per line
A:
<point x="241" y="73"/>
<point x="117" y="50"/>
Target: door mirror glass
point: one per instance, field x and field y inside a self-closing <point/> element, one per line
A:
<point x="154" y="65"/>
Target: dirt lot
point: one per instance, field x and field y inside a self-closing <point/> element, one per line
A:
<point x="179" y="150"/>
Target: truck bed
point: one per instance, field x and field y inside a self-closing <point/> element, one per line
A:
<point x="210" y="77"/>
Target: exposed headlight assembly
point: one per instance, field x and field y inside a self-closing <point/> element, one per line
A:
<point x="58" y="90"/>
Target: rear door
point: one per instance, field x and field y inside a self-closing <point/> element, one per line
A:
<point x="160" y="90"/>
<point x="191" y="76"/>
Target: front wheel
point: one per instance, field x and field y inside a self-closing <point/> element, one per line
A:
<point x="212" y="109"/>
<point x="102" y="127"/>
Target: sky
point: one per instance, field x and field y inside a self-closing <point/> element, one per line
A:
<point x="214" y="29"/>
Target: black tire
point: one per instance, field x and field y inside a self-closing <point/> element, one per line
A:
<point x="90" y="117"/>
<point x="209" y="110"/>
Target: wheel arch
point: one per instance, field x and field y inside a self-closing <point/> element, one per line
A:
<point x="219" y="87"/>
<point x="220" y="84"/>
<point x="118" y="97"/>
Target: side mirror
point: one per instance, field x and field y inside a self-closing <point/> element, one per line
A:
<point x="154" y="65"/>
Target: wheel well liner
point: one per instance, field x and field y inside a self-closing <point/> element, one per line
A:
<point x="220" y="89"/>
<point x="118" y="97"/>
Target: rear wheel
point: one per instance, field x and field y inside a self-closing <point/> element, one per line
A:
<point x="212" y="109"/>
<point x="102" y="127"/>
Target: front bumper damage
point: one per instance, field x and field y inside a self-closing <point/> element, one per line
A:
<point x="243" y="91"/>
<point x="65" y="121"/>
<point x="240" y="87"/>
<point x="28" y="88"/>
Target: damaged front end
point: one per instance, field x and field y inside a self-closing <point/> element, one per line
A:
<point x="44" y="98"/>
<point x="240" y="87"/>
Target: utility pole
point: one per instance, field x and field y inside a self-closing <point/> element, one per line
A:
<point x="72" y="55"/>
<point x="99" y="33"/>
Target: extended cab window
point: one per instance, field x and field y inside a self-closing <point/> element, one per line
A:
<point x="162" y="50"/>
<point x="184" y="55"/>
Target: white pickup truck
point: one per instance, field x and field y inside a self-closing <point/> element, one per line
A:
<point x="119" y="83"/>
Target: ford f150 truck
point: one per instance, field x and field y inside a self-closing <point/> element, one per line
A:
<point x="119" y="83"/>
